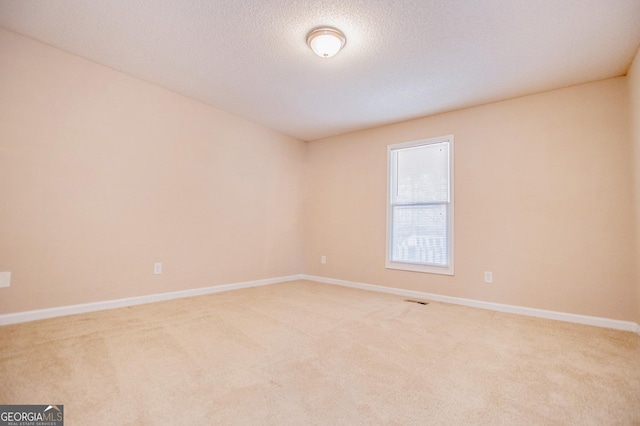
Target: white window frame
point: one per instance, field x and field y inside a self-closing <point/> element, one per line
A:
<point x="391" y="170"/>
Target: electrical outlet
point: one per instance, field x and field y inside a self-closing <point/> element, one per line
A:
<point x="5" y="279"/>
<point x="488" y="277"/>
<point x="323" y="259"/>
<point x="157" y="268"/>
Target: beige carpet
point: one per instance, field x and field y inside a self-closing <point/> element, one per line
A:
<point x="303" y="353"/>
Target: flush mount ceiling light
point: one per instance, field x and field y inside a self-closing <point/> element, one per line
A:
<point x="326" y="42"/>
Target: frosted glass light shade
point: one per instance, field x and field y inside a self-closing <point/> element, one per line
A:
<point x="326" y="42"/>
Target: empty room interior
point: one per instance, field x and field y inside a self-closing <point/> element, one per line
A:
<point x="340" y="212"/>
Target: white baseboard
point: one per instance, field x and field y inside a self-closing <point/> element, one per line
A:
<point x="19" y="317"/>
<point x="560" y="316"/>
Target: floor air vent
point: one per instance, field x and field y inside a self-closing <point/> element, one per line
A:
<point x="416" y="301"/>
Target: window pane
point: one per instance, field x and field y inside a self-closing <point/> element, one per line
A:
<point x="423" y="174"/>
<point x="420" y="234"/>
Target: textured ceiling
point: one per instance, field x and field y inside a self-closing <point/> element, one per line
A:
<point x="403" y="58"/>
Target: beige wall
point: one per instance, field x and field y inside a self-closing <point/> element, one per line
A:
<point x="634" y="97"/>
<point x="102" y="174"/>
<point x="542" y="192"/>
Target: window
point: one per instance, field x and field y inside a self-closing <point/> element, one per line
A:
<point x="420" y="206"/>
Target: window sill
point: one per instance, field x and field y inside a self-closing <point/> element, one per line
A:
<point x="429" y="269"/>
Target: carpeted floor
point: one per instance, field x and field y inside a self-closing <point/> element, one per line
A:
<point x="304" y="353"/>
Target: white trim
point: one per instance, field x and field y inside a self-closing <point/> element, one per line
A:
<point x="520" y="310"/>
<point x="19" y="317"/>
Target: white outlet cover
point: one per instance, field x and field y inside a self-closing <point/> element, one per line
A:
<point x="488" y="277"/>
<point x="5" y="279"/>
